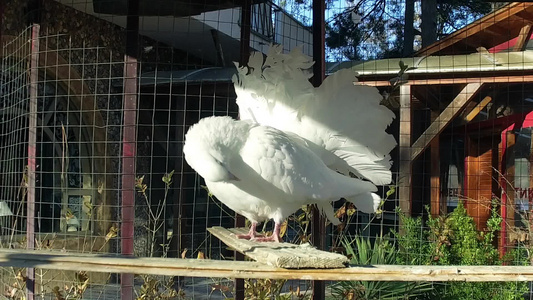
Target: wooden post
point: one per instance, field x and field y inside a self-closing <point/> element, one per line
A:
<point x="507" y="184"/>
<point x="129" y="143"/>
<point x="437" y="205"/>
<point x="32" y="153"/>
<point x="530" y="199"/>
<point x="405" y="150"/>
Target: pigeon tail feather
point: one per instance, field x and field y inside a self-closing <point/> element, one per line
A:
<point x="329" y="213"/>
<point x="341" y="116"/>
<point x="367" y="203"/>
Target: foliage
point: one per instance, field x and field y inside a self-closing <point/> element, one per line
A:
<point x="76" y="290"/>
<point x="366" y="30"/>
<point x="75" y="283"/>
<point x="262" y="288"/>
<point x="453" y="239"/>
<point x="155" y="220"/>
<point x="368" y="253"/>
<point x="373" y="29"/>
<point x="157" y="287"/>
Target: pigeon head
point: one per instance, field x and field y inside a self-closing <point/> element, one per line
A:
<point x="210" y="143"/>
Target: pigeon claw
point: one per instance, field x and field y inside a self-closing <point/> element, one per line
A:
<point x="247" y="236"/>
<point x="252" y="233"/>
<point x="272" y="238"/>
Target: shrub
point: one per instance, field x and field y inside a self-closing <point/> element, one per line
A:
<point x="453" y="239"/>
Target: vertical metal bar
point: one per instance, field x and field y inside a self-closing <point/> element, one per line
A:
<point x="318" y="229"/>
<point x="405" y="150"/>
<point x="129" y="142"/>
<point x="246" y="15"/>
<point x="32" y="149"/>
<point x="2" y="11"/>
<point x="178" y="222"/>
<point x="319" y="35"/>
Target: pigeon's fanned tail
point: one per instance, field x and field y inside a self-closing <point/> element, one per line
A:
<point x="341" y="116"/>
<point x="355" y="125"/>
<point x="375" y="170"/>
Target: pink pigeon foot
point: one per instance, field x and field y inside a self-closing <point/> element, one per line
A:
<point x="252" y="234"/>
<point x="273" y="238"/>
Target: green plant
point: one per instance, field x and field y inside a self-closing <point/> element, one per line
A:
<point x="381" y="251"/>
<point x="453" y="239"/>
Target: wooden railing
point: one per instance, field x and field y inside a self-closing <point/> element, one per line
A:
<point x="248" y="269"/>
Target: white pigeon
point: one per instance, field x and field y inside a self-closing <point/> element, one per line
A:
<point x="264" y="173"/>
<point x="342" y="120"/>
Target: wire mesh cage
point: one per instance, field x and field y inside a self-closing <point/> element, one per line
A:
<point x="97" y="97"/>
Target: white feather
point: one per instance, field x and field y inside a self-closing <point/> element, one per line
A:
<point x="342" y="117"/>
<point x="263" y="173"/>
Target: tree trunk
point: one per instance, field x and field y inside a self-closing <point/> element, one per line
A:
<point x="429" y="22"/>
<point x="409" y="31"/>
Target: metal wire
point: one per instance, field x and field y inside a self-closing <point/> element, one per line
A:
<point x="481" y="161"/>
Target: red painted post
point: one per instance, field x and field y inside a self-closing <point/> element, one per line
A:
<point x="32" y="142"/>
<point x="129" y="142"/>
<point x="128" y="168"/>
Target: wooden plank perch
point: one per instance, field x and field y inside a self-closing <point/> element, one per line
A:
<point x="49" y="260"/>
<point x="281" y="255"/>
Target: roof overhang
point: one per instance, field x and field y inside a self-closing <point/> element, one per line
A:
<point x="447" y="66"/>
<point x="489" y="31"/>
<point x="475" y="62"/>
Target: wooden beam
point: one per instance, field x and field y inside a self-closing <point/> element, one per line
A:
<point x="404" y="184"/>
<point x="484" y="79"/>
<point x="444" y="118"/>
<point x="525" y="16"/>
<point x="476" y="109"/>
<point x="247" y="269"/>
<point x="496" y="29"/>
<point x="523" y="38"/>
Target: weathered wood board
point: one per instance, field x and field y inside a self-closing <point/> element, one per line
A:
<point x="280" y="255"/>
<point x="54" y="260"/>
